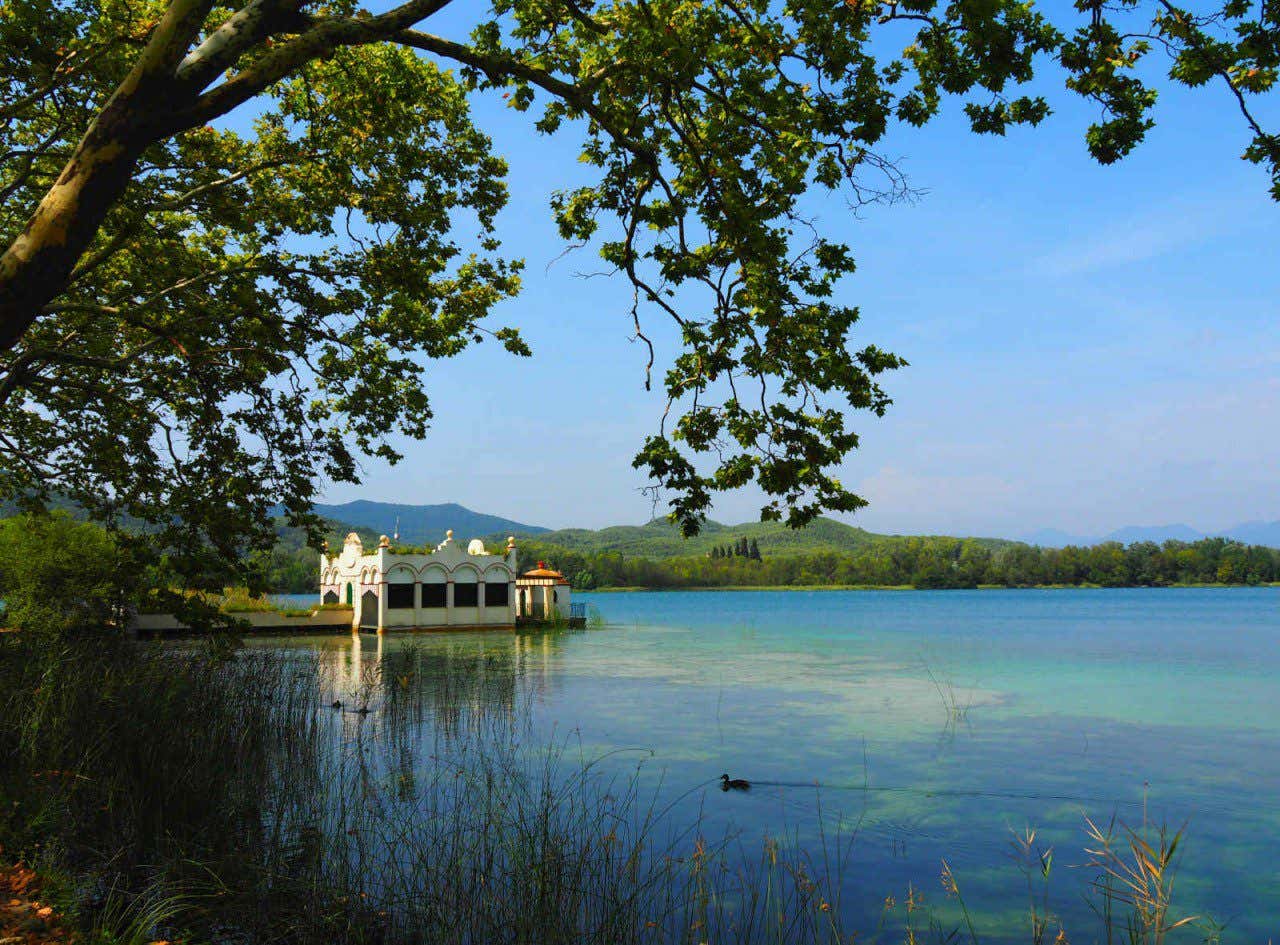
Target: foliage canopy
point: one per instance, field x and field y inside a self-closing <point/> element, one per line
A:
<point x="60" y="578"/>
<point x="197" y="323"/>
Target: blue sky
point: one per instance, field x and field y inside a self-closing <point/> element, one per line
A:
<point x="1090" y="347"/>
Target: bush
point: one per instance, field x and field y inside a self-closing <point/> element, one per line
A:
<point x="62" y="578"/>
<point x="238" y="600"/>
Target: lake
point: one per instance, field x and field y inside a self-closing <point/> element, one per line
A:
<point x="924" y="726"/>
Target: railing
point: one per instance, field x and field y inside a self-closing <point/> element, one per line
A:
<point x="577" y="610"/>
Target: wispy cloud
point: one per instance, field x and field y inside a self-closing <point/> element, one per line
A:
<point x="1138" y="239"/>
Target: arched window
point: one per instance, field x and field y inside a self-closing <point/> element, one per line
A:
<point x="466" y="592"/>
<point x="434" y="587"/>
<point x="400" y="585"/>
<point x="497" y="587"/>
<point x="368" y="609"/>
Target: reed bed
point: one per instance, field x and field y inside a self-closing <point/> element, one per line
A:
<point x="286" y="796"/>
<point x="229" y="799"/>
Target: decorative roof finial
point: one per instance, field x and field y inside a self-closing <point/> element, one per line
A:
<point x="511" y="542"/>
<point x="384" y="542"/>
<point x="448" y="536"/>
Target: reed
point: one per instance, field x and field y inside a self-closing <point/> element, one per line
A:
<point x="957" y="709"/>
<point x="190" y="793"/>
<point x="1035" y="862"/>
<point x="196" y="794"/>
<point x="1136" y="868"/>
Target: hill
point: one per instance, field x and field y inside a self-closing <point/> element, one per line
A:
<point x="660" y="539"/>
<point x="424" y="524"/>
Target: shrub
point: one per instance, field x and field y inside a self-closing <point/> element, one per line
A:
<point x="61" y="578"/>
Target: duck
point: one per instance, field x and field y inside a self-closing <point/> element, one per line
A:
<point x="733" y="784"/>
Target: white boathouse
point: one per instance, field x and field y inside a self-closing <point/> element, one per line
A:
<point x="446" y="588"/>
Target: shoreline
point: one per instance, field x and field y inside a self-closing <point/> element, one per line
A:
<point x="912" y="587"/>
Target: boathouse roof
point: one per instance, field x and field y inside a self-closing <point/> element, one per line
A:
<point x="542" y="575"/>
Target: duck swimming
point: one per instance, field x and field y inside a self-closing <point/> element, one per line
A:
<point x="733" y="784"/>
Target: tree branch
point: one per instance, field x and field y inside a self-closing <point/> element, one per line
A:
<point x="323" y="36"/>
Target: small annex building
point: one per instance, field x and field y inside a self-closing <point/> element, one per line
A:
<point x="542" y="594"/>
<point x="449" y="587"/>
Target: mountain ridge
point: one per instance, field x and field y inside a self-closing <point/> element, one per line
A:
<point x="423" y="524"/>
<point x="1255" y="532"/>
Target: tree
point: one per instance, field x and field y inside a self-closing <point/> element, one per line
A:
<point x="197" y="323"/>
<point x="753" y="552"/>
<point x="61" y="578"/>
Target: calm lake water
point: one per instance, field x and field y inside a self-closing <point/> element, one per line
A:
<point x="930" y="726"/>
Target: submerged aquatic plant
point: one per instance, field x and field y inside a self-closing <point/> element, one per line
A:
<point x="957" y="710"/>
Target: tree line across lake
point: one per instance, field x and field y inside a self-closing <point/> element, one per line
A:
<point x="922" y="562"/>
<point x="929" y="562"/>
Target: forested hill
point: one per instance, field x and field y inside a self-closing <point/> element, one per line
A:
<point x="661" y="539"/>
<point x="827" y="553"/>
<point x="892" y="561"/>
<point x="831" y="553"/>
<point x="294" y="567"/>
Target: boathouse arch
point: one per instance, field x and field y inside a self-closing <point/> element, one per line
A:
<point x="433" y="574"/>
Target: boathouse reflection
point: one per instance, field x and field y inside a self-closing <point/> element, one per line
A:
<point x="446" y="684"/>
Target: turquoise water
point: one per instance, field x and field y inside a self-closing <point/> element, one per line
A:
<point x="932" y="725"/>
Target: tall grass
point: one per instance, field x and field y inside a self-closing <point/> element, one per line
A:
<point x="187" y="791"/>
<point x="1135" y="868"/>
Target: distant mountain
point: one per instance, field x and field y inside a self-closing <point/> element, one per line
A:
<point x="1054" y="538"/>
<point x="1250" y="533"/>
<point x="1157" y="533"/>
<point x="1256" y="533"/>
<point x="423" y="524"/>
<point x="660" y="539"/>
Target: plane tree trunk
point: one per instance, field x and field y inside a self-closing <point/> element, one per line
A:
<point x="37" y="265"/>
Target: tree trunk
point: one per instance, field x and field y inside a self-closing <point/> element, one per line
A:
<point x="35" y="268"/>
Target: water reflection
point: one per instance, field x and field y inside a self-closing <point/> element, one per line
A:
<point x="1041" y="707"/>
<point x="449" y="683"/>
